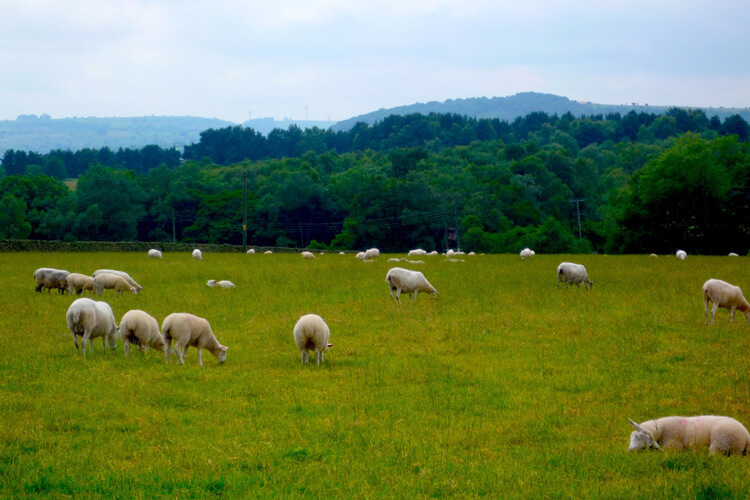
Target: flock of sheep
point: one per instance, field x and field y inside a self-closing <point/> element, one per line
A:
<point x="90" y="319"/>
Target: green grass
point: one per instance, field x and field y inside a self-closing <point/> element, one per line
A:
<point x="504" y="386"/>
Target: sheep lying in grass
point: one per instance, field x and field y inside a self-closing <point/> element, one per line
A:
<point x="189" y="330"/>
<point x="719" y="434"/>
<point x="654" y="256"/>
<point x="311" y="333"/>
<point x="417" y="252"/>
<point x="251" y="251"/>
<point x="308" y="255"/>
<point x="220" y="284"/>
<point x="732" y="254"/>
<point x="404" y="280"/>
<point x="197" y="254"/>
<point x="106" y="281"/>
<point x="142" y="329"/>
<point x="92" y="319"/>
<point x="79" y="283"/>
<point x="49" y="278"/>
<point x="567" y="272"/>
<point x="681" y="255"/>
<point x="125" y="275"/>
<point x="154" y="254"/>
<point x="722" y="294"/>
<point x="267" y="252"/>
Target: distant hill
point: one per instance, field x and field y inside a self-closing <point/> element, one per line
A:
<point x="266" y="125"/>
<point x="43" y="133"/>
<point x="511" y="107"/>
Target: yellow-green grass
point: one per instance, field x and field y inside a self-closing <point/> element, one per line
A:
<point x="504" y="386"/>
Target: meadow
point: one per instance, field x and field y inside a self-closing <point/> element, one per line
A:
<point x="503" y="386"/>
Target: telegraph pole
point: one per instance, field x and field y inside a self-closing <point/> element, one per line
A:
<point x="578" y="211"/>
<point x="244" y="211"/>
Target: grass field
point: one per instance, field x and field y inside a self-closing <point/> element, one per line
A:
<point x="504" y="386"/>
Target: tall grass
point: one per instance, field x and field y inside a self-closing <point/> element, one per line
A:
<point x="504" y="386"/>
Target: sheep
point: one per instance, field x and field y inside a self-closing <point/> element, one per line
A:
<point x="654" y="256"/>
<point x="719" y="434"/>
<point x="342" y="253"/>
<point x="404" y="280"/>
<point x="681" y="255"/>
<point x="308" y="255"/>
<point x="268" y="252"/>
<point x="251" y="251"/>
<point x="567" y="272"/>
<point x="450" y="253"/>
<point x="125" y="275"/>
<point x="360" y="255"/>
<point x="142" y="329"/>
<point x="49" y="278"/>
<point x="415" y="261"/>
<point x="723" y="294"/>
<point x="189" y="330"/>
<point x="106" y="281"/>
<point x="79" y="283"/>
<point x="732" y="254"/>
<point x="312" y="333"/>
<point x="372" y="253"/>
<point x="92" y="319"/>
<point x="433" y="253"/>
<point x="220" y="284"/>
<point x="197" y="254"/>
<point x="154" y="254"/>
<point x="416" y="253"/>
<point x="471" y="254"/>
<point x="527" y="252"/>
<point x="396" y="259"/>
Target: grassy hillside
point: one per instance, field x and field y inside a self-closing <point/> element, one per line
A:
<point x="504" y="386"/>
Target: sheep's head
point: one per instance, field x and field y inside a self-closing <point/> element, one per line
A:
<point x="211" y="283"/>
<point x="641" y="439"/>
<point x="590" y="285"/>
<point x="221" y="353"/>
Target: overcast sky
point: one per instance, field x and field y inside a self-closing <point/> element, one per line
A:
<point x="342" y="58"/>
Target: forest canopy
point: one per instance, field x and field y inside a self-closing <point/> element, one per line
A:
<point x="637" y="183"/>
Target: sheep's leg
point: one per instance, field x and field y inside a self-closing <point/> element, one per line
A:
<point x="713" y="312"/>
<point x="318" y="357"/>
<point x="85" y="341"/>
<point x="705" y="305"/>
<point x="398" y="295"/>
<point x="415" y="295"/>
<point x="75" y="340"/>
<point x="731" y="314"/>
<point x="180" y="351"/>
<point x="127" y="346"/>
<point x="200" y="356"/>
<point x="305" y="356"/>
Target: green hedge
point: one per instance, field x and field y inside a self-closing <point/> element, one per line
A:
<point x="122" y="246"/>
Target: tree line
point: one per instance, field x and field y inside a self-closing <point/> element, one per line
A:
<point x="645" y="183"/>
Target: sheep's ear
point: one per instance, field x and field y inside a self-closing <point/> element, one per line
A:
<point x="637" y="427"/>
<point x="330" y="345"/>
<point x="223" y="348"/>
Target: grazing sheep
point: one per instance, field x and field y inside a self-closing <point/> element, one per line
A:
<point x="142" y="329"/>
<point x="92" y="319"/>
<point x="433" y="253"/>
<point x="125" y="275"/>
<point x="567" y="272"/>
<point x="527" y="252"/>
<point x="654" y="256"/>
<point x="220" y="284"/>
<point x="308" y="255"/>
<point x="450" y="253"/>
<point x="404" y="280"/>
<point x="719" y="434"/>
<point x="189" y="330"/>
<point x="312" y="333"/>
<point x="79" y="283"/>
<point x="360" y="255"/>
<point x="471" y="253"/>
<point x="681" y="255"/>
<point x="723" y="294"/>
<point x="154" y="254"/>
<point x="418" y="252"/>
<point x="268" y="252"/>
<point x="732" y="254"/>
<point x="342" y="253"/>
<point x="106" y="281"/>
<point x="50" y="278"/>
<point x="252" y="250"/>
<point x="372" y="253"/>
<point x="197" y="254"/>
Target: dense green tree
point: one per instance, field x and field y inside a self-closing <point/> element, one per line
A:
<point x="13" y="222"/>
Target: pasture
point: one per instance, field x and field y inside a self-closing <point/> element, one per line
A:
<point x="504" y="386"/>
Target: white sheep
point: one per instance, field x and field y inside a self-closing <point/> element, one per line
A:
<point x="719" y="434"/>
<point x="79" y="283"/>
<point x="433" y="253"/>
<point x="397" y="259"/>
<point x="527" y="252"/>
<point x="154" y="254"/>
<point x="268" y="252"/>
<point x="220" y="284"/>
<point x="105" y="281"/>
<point x="723" y="294"/>
<point x="404" y="280"/>
<point x="681" y="255"/>
<point x="342" y="253"/>
<point x="372" y="253"/>
<point x="450" y="253"/>
<point x="197" y="254"/>
<point x="190" y="330"/>
<point x="654" y="256"/>
<point x="251" y="251"/>
<point x="92" y="319"/>
<point x="360" y="255"/>
<point x="472" y="253"/>
<point x="142" y="329"/>
<point x="417" y="252"/>
<point x="49" y="278"/>
<point x="732" y="254"/>
<point x="308" y="255"/>
<point x="568" y="272"/>
<point x="125" y="275"/>
<point x="312" y="333"/>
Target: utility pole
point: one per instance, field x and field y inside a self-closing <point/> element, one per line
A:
<point x="578" y="211"/>
<point x="244" y="211"/>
